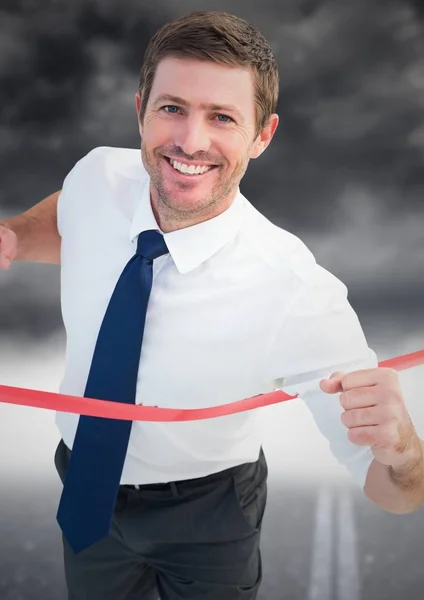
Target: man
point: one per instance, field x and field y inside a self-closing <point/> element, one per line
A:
<point x="236" y="307"/>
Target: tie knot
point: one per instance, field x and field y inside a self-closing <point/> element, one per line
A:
<point x="151" y="244"/>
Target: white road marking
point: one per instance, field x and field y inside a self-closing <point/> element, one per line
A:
<point x="348" y="583"/>
<point x="320" y="585"/>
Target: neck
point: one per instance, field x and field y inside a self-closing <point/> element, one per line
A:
<point x="170" y="219"/>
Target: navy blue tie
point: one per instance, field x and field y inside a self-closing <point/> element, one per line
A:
<point x="92" y="481"/>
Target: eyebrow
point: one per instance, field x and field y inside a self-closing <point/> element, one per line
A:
<point x="214" y="107"/>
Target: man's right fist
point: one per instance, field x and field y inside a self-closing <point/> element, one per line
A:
<point x="8" y="247"/>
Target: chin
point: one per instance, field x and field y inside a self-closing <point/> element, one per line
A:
<point x="184" y="203"/>
<point x="181" y="201"/>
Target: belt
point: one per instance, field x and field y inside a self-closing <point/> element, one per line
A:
<point x="157" y="487"/>
<point x="174" y="485"/>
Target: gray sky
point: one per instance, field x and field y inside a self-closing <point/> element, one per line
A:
<point x="344" y="172"/>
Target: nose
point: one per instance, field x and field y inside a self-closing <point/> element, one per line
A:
<point x="193" y="135"/>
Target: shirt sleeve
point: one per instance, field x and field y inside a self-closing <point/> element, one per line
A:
<point x="319" y="334"/>
<point x="63" y="199"/>
<point x="67" y="189"/>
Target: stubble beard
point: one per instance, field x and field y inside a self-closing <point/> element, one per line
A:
<point x="224" y="188"/>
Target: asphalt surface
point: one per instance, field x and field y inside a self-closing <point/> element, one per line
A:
<point x="321" y="539"/>
<point x="319" y="543"/>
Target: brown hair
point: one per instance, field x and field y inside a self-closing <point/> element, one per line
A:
<point x="221" y="38"/>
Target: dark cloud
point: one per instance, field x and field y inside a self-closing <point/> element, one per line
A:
<point x="347" y="160"/>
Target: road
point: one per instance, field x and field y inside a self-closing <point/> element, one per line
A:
<point x="319" y="543"/>
<point x="322" y="540"/>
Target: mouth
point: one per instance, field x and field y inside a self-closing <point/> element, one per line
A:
<point x="193" y="173"/>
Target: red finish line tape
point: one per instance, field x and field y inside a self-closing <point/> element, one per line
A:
<point x="131" y="412"/>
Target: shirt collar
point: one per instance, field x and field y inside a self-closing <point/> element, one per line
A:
<point x="191" y="246"/>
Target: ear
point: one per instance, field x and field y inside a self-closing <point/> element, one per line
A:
<point x="265" y="136"/>
<point x="137" y="106"/>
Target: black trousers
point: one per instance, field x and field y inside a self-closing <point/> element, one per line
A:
<point x="196" y="539"/>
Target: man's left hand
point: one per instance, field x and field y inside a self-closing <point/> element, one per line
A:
<point x="375" y="414"/>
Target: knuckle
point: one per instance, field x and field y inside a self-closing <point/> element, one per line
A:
<point x="344" y="399"/>
<point x="364" y="435"/>
<point x="349" y="398"/>
<point x="345" y="418"/>
<point x="354" y="418"/>
<point x="356" y="436"/>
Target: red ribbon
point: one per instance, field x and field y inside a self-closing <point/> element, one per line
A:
<point x="131" y="412"/>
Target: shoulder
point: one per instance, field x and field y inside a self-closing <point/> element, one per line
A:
<point x="288" y="255"/>
<point x="103" y="177"/>
<point x="106" y="161"/>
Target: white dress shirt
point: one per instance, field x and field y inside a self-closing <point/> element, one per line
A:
<point x="237" y="305"/>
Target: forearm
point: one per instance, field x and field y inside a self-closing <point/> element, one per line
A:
<point x="398" y="490"/>
<point x="36" y="230"/>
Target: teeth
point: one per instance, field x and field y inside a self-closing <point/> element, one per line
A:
<point x="189" y="170"/>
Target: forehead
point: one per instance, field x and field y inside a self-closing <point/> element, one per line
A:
<point x="203" y="82"/>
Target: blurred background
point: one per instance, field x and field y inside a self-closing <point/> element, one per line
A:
<point x="345" y="173"/>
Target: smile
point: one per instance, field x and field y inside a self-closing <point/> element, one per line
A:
<point x="188" y="171"/>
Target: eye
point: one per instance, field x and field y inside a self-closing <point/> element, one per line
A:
<point x="226" y="117"/>
<point x="171" y="107"/>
